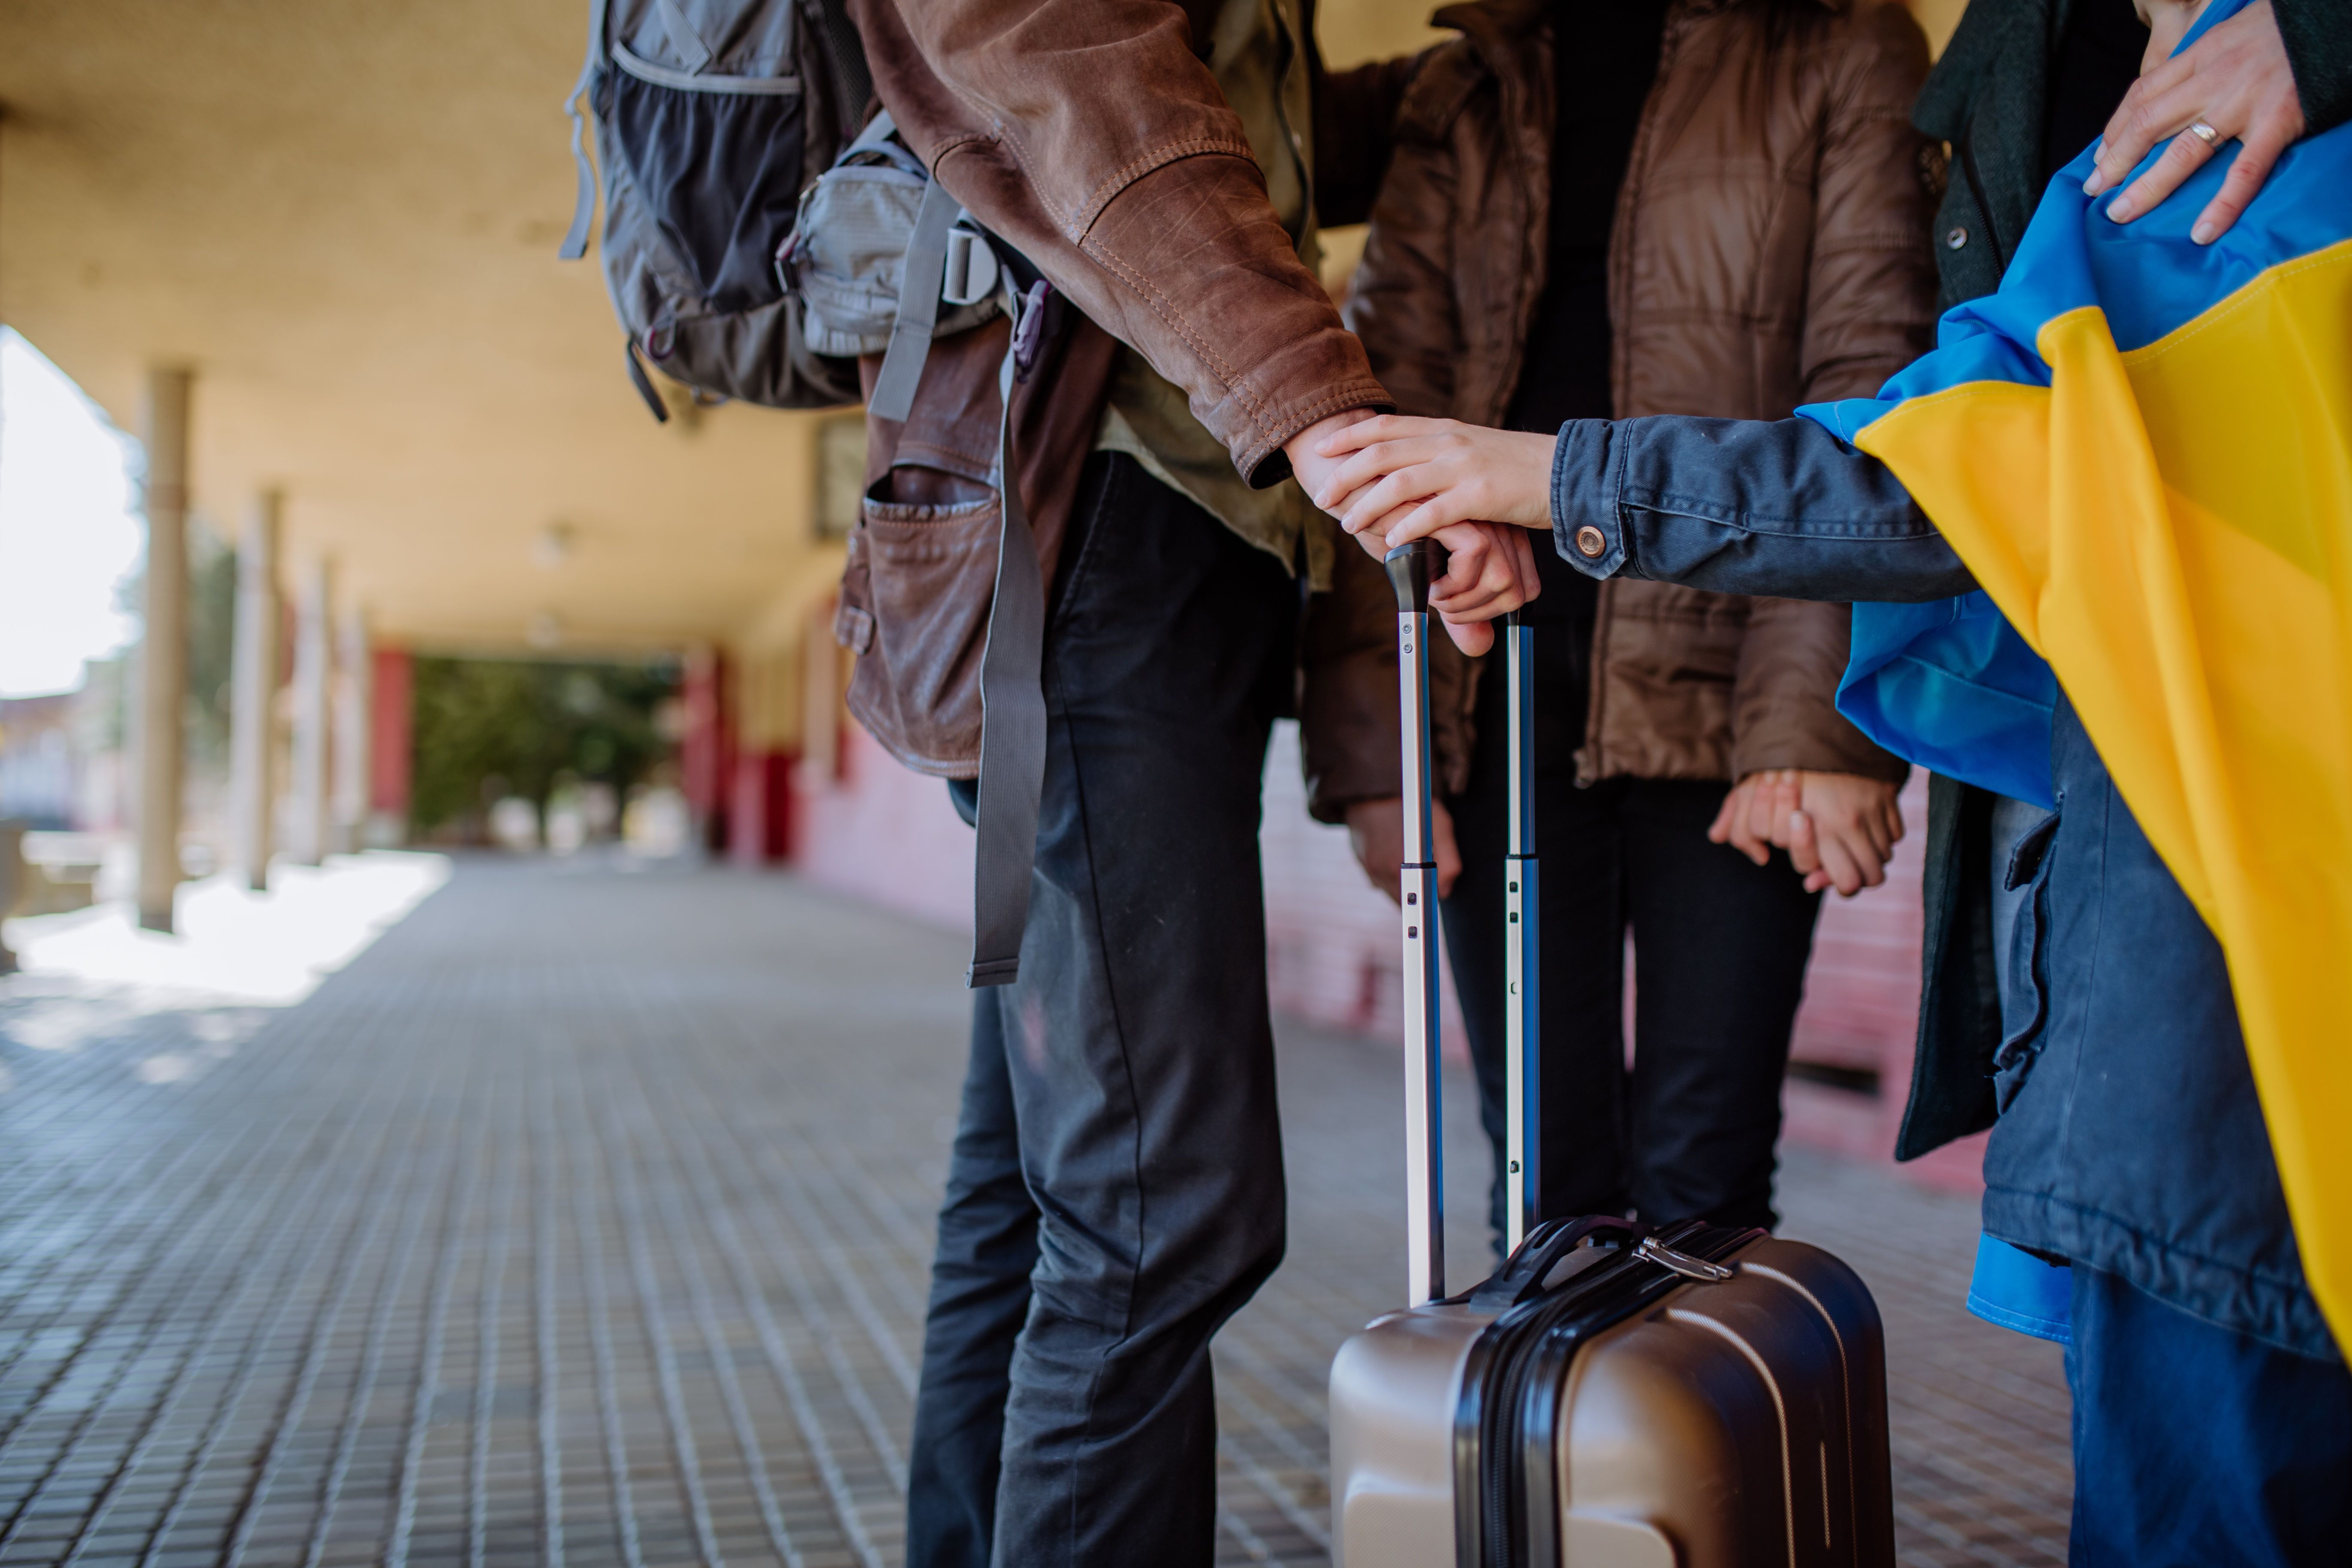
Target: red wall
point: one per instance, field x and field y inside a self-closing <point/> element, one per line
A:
<point x="760" y="813"/>
<point x="391" y="752"/>
<point x="706" y="753"/>
<point x="875" y="830"/>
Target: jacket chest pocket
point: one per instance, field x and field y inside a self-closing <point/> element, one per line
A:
<point x="2025" y="965"/>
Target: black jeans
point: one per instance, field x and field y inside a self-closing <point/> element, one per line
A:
<point x="1720" y="945"/>
<point x="1115" y="1190"/>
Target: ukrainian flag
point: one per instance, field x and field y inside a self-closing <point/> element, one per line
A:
<point x="2142" y="448"/>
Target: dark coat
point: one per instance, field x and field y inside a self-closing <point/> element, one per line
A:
<point x="2129" y="1137"/>
<point x="1988" y="101"/>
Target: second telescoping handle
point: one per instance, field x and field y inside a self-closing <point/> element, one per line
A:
<point x="1522" y="965"/>
<point x="1411" y="569"/>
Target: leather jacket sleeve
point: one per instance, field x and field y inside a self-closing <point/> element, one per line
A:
<point x="1088" y="135"/>
<point x="1870" y="300"/>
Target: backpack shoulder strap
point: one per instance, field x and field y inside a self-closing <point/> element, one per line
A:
<point x="583" y="202"/>
<point x="1011" y="699"/>
<point x="919" y="276"/>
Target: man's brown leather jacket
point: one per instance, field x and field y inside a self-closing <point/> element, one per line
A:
<point x="1770" y="249"/>
<point x="1090" y="135"/>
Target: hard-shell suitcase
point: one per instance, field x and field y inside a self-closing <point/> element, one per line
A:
<point x="1615" y="1396"/>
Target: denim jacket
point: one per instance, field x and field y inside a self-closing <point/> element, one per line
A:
<point x="2129" y="1136"/>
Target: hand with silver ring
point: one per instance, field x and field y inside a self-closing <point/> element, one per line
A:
<point x="2234" y="84"/>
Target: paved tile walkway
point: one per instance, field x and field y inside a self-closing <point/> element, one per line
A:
<point x="583" y="1219"/>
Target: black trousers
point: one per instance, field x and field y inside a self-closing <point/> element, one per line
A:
<point x="1116" y="1189"/>
<point x="1719" y="943"/>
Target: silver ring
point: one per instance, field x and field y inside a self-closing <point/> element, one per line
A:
<point x="2204" y="133"/>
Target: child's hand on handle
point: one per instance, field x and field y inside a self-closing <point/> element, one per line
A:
<point x="1404" y="479"/>
<point x="1490" y="571"/>
<point x="1399" y="479"/>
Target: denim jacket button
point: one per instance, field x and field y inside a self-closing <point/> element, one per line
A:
<point x="1590" y="541"/>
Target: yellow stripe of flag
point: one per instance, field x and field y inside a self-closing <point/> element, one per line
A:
<point x="2172" y="529"/>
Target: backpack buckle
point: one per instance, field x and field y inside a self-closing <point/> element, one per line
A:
<point x="971" y="272"/>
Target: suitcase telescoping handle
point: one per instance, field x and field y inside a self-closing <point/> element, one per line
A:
<point x="1522" y="960"/>
<point x="1411" y="569"/>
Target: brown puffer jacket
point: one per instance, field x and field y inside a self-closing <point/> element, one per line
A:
<point x="1770" y="249"/>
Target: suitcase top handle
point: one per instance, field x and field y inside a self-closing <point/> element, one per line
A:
<point x="1548" y="1245"/>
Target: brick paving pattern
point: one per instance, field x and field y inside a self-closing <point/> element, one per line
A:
<point x="583" y="1220"/>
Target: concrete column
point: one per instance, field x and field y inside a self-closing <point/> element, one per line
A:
<point x="354" y="729"/>
<point x="164" y="646"/>
<point x="308" y="823"/>
<point x="253" y="695"/>
<point x="12" y="877"/>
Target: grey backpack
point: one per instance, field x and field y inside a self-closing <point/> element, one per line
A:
<point x="711" y="117"/>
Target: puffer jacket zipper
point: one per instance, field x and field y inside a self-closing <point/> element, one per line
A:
<point x="1592" y="759"/>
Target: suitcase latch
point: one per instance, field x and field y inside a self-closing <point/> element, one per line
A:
<point x="1655" y="1251"/>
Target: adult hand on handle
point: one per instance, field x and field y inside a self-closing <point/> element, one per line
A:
<point x="1490" y="571"/>
<point x="1402" y="478"/>
<point x="2235" y="83"/>
<point x="1376" y="833"/>
<point x="1393" y="479"/>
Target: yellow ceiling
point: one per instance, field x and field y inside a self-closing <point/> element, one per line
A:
<point x="343" y="214"/>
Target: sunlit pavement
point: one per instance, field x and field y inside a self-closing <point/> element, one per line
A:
<point x="582" y="1218"/>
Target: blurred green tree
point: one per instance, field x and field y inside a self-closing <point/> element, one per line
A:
<point x="489" y="727"/>
<point x="212" y="649"/>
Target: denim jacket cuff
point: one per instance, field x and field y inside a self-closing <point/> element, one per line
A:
<point x="1587" y="470"/>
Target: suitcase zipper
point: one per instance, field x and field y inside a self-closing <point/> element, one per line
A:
<point x="1652" y="1250"/>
